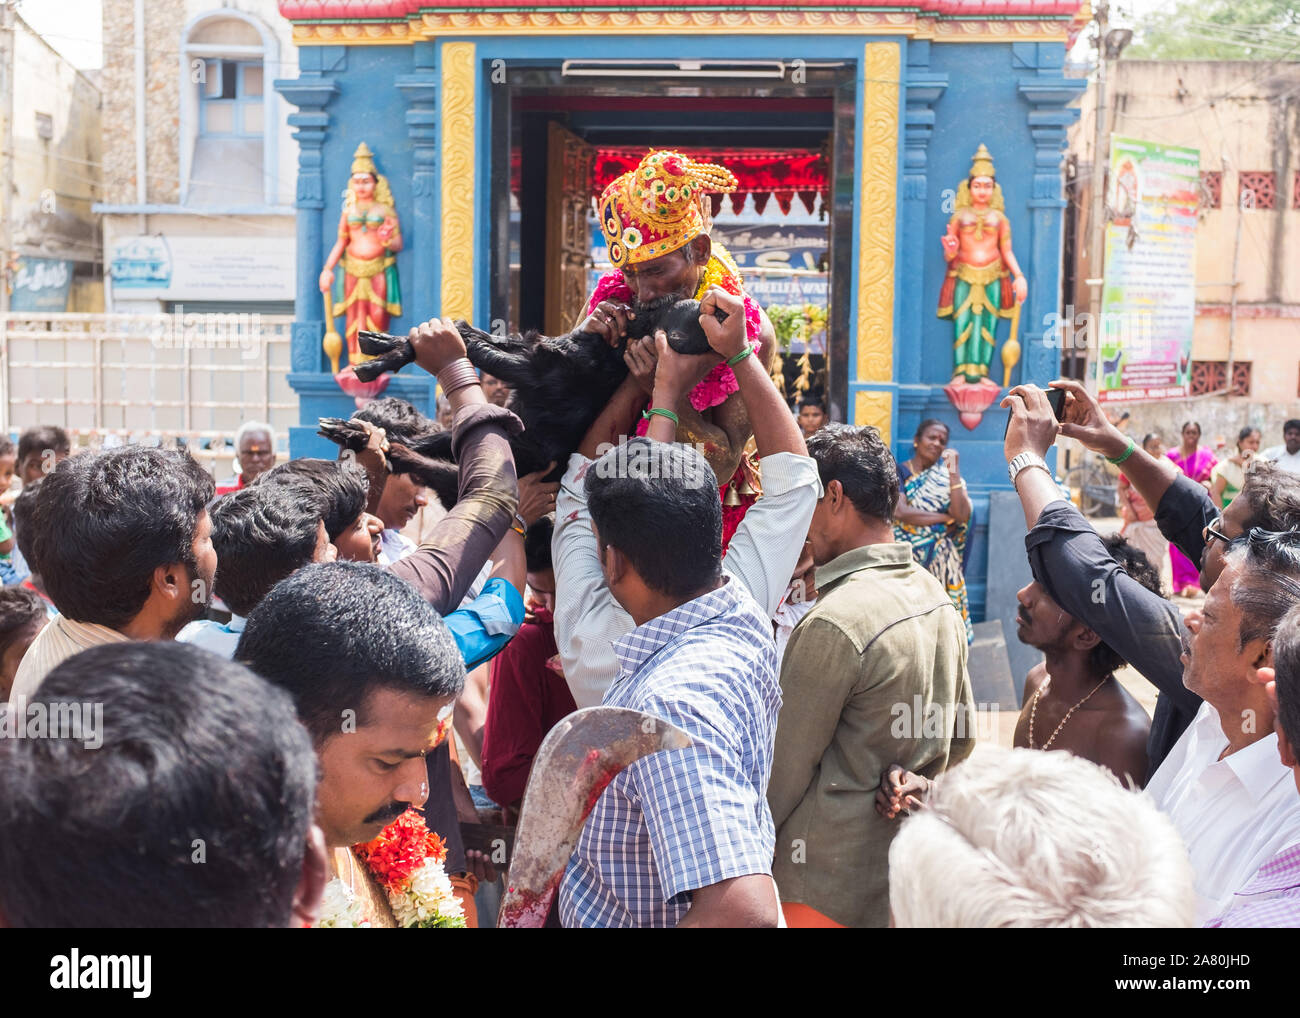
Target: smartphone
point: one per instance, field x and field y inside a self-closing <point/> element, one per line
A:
<point x="1055" y="399"/>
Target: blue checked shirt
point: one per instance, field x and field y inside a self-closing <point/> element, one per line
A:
<point x="679" y="820"/>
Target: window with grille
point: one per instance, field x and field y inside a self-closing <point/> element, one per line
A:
<point x="1258" y="189"/>
<point x="1211" y="376"/>
<point x="1211" y="189"/>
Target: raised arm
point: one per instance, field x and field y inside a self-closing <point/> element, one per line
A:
<point x="1069" y="559"/>
<point x="443" y="568"/>
<point x="1182" y="507"/>
<point x="774" y="428"/>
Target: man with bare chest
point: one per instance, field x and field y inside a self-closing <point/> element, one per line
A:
<point x="1072" y="700"/>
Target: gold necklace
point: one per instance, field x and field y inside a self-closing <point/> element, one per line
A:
<point x="1033" y="710"/>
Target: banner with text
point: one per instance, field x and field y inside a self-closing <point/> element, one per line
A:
<point x="1148" y="302"/>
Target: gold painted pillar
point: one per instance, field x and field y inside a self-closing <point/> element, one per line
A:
<point x="457" y="175"/>
<point x="877" y="213"/>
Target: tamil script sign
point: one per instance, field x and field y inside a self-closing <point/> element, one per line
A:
<point x="1148" y="302"/>
<point x="41" y="284"/>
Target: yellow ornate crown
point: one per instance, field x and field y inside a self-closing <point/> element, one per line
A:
<point x="981" y="163"/>
<point x="660" y="206"/>
<point x="363" y="160"/>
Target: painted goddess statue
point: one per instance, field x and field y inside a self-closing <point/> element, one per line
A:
<point x="368" y="241"/>
<point x="983" y="283"/>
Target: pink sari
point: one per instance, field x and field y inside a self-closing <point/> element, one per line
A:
<point x="1197" y="467"/>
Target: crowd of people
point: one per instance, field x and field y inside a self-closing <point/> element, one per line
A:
<point x="805" y="799"/>
<point x="317" y="697"/>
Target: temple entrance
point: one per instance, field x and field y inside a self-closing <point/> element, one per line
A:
<point x="560" y="133"/>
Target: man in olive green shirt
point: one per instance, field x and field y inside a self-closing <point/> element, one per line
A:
<point x="875" y="674"/>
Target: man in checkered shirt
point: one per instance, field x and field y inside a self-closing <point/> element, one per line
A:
<point x="684" y="837"/>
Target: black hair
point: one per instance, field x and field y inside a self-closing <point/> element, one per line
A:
<point x="262" y="534"/>
<point x="813" y="401"/>
<point x="106" y="520"/>
<point x="43" y="438"/>
<point x="657" y="503"/>
<point x="340" y="487"/>
<point x="335" y="632"/>
<point x="19" y="608"/>
<point x="931" y="422"/>
<point x="862" y="463"/>
<point x="1269" y="584"/>
<point x="1245" y="433"/>
<point x="1191" y="424"/>
<point x="1102" y="659"/>
<point x="401" y="421"/>
<point x="7" y="446"/>
<point x="24" y="510"/>
<point x="1286" y="668"/>
<point x="537" y="544"/>
<point x="194" y="811"/>
<point x="1292" y="425"/>
<point x="1272" y="495"/>
<point x="1148" y="436"/>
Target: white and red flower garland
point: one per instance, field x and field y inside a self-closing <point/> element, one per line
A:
<point x="406" y="860"/>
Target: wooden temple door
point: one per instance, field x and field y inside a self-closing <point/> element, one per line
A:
<point x="568" y="236"/>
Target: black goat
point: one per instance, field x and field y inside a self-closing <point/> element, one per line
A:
<point x="559" y="384"/>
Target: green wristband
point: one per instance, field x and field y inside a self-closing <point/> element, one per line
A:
<point x="733" y="361"/>
<point x="646" y="415"/>
<point x="1127" y="453"/>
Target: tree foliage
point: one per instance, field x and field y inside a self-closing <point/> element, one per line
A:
<point x="1219" y="30"/>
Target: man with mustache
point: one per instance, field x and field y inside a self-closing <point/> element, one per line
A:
<point x="374" y="673"/>
<point x="1072" y="699"/>
<point x="656" y="221"/>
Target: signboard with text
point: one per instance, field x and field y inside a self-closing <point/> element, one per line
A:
<point x="1148" y="302"/>
<point x="174" y="268"/>
<point x="41" y="284"/>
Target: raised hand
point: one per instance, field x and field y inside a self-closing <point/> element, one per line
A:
<point x="727" y="338"/>
<point x="436" y="344"/>
<point x="609" y="319"/>
<point x="1084" y="420"/>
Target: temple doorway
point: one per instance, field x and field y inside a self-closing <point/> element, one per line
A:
<point x="560" y="133"/>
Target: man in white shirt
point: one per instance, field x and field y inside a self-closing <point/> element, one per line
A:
<point x="1286" y="455"/>
<point x="765" y="548"/>
<point x="1223" y="784"/>
<point x="123" y="544"/>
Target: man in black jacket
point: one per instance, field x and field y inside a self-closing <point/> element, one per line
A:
<point x="1068" y="558"/>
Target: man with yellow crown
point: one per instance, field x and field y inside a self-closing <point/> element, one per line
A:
<point x="656" y="222"/>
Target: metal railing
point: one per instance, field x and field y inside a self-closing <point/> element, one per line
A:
<point x="118" y="378"/>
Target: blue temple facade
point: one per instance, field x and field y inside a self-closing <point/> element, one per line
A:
<point x="911" y="92"/>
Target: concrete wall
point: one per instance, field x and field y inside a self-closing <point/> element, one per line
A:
<point x="1243" y="116"/>
<point x="56" y="179"/>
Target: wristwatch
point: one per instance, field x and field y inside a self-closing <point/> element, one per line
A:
<point x="1024" y="461"/>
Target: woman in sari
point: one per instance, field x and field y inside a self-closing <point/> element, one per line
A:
<point x="1197" y="463"/>
<point x="1229" y="475"/>
<point x="933" y="512"/>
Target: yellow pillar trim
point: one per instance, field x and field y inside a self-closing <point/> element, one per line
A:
<point x="457" y="174"/>
<point x="874" y="407"/>
<point x="877" y="206"/>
